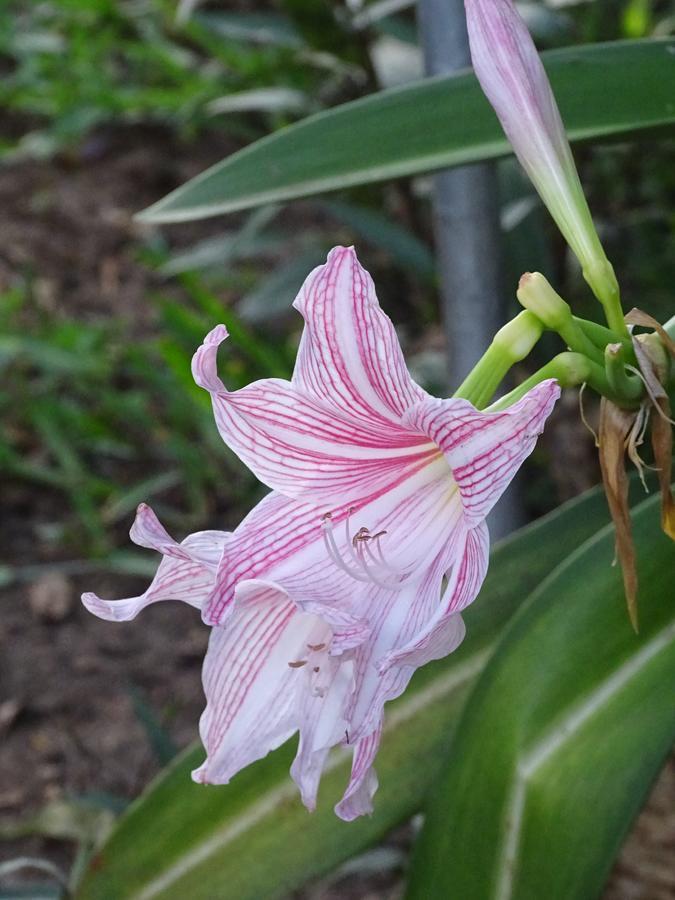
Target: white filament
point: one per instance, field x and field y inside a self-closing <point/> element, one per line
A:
<point x="362" y="564"/>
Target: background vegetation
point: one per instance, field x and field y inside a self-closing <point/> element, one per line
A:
<point x="107" y="105"/>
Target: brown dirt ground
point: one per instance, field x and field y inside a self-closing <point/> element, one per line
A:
<point x="67" y="719"/>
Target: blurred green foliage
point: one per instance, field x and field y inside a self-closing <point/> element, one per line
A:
<point x="71" y="65"/>
<point x="104" y="417"/>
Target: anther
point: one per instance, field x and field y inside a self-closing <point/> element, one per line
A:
<point x="316" y="647"/>
<point x="298" y="663"/>
<point x="363" y="534"/>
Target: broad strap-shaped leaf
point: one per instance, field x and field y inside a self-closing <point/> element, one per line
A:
<point x="185" y="840"/>
<point x="603" y="90"/>
<point x="562" y="735"/>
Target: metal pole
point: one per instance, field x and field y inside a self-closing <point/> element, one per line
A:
<point x="466" y="229"/>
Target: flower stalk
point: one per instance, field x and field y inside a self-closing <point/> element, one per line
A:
<point x="536" y="294"/>
<point x="510" y="345"/>
<point x="569" y="369"/>
<point x="628" y="387"/>
<point x="600" y="335"/>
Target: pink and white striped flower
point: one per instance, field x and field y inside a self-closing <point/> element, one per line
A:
<point x="354" y="570"/>
<point x="513" y="79"/>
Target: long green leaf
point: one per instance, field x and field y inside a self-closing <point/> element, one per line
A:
<point x="253" y="839"/>
<point x="562" y="736"/>
<point x="604" y="90"/>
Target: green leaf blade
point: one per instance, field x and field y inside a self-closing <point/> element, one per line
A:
<point x="604" y="91"/>
<point x="562" y="736"/>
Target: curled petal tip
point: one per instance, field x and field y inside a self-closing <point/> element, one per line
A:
<point x="205" y="361"/>
<point x="103" y="609"/>
<point x="148" y="531"/>
<point x="217" y="335"/>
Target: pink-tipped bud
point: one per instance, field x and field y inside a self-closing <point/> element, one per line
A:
<point x="512" y="76"/>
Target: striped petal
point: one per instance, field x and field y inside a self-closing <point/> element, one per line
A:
<point x="334" y="432"/>
<point x="349" y="356"/>
<point x="358" y="798"/>
<point x="249" y="686"/>
<point x="396" y="618"/>
<point x="484" y="449"/>
<point x="300" y="447"/>
<point x="322" y="727"/>
<point x="187" y="571"/>
<point x="444" y="630"/>
<point x="268" y="673"/>
<point x="285" y="541"/>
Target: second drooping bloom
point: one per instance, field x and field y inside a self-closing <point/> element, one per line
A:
<point x="353" y="571"/>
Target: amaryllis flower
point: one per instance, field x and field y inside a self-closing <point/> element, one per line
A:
<point x="513" y="78"/>
<point x="354" y="570"/>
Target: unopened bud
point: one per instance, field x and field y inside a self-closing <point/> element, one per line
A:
<point x="536" y="294"/>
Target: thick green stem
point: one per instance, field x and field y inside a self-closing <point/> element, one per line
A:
<point x="599" y="274"/>
<point x="628" y="387"/>
<point x="570" y="370"/>
<point x="512" y="343"/>
<point x="600" y="334"/>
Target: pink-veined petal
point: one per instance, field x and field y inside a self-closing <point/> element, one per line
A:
<point x="301" y="448"/>
<point x="349" y="357"/>
<point x="396" y="619"/>
<point x="358" y="798"/>
<point x="268" y="673"/>
<point x="348" y="631"/>
<point x="284" y="541"/>
<point x="444" y="630"/>
<point x="322" y="726"/>
<point x="187" y="571"/>
<point x="249" y="686"/>
<point x="485" y="449"/>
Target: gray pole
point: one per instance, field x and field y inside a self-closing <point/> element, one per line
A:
<point x="466" y="229"/>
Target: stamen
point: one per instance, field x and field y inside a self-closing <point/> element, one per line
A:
<point x="334" y="551"/>
<point x="361" y="563"/>
<point x="298" y="663"/>
<point x="371" y="572"/>
<point x="379" y="559"/>
<point x="316" y="647"/>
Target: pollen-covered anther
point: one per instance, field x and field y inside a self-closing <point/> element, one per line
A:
<point x="298" y="663"/>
